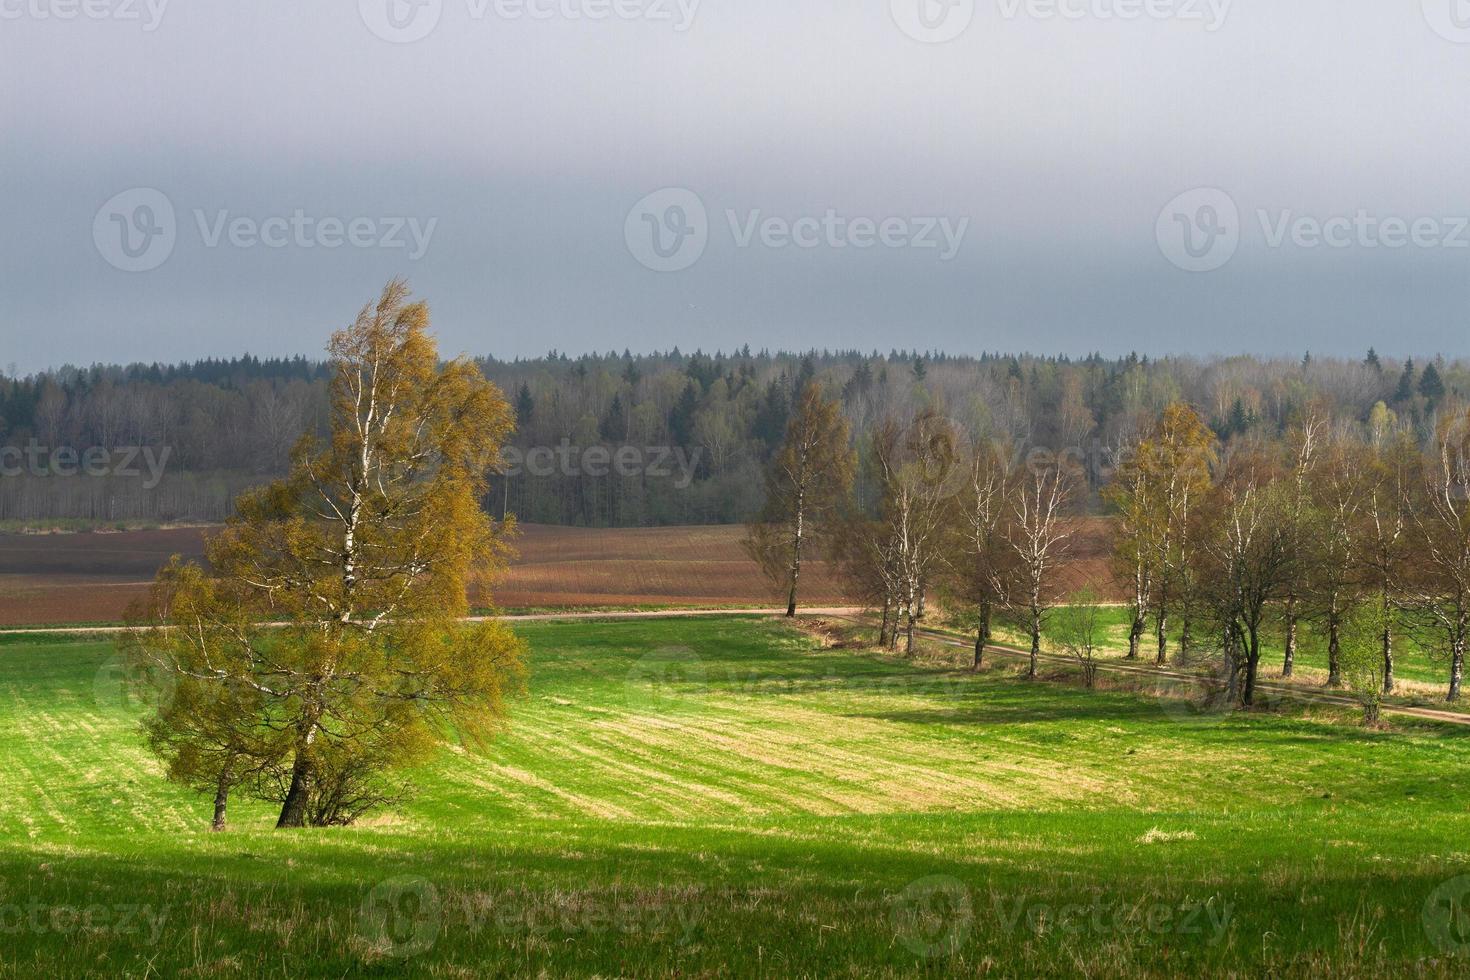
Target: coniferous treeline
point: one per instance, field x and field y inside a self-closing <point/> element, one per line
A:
<point x="698" y="429"/>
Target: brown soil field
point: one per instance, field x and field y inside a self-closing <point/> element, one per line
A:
<point x="92" y="577"/>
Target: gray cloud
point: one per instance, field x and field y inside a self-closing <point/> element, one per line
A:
<point x="529" y="140"/>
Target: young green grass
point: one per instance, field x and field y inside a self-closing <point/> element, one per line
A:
<point x="726" y="797"/>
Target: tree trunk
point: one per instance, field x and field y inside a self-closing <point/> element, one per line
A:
<point x="982" y="637"/>
<point x="1334" y="653"/>
<point x="883" y="626"/>
<point x="1231" y="668"/>
<point x="293" y="810"/>
<point x="1163" y="638"/>
<point x="796" y="555"/>
<point x="1035" y="642"/>
<point x="1289" y="664"/>
<point x="1135" y="633"/>
<point x="1253" y="660"/>
<point x="1388" y="659"/>
<point x="1186" y="639"/>
<point x="1457" y="668"/>
<point x="221" y="802"/>
<point x="909" y="617"/>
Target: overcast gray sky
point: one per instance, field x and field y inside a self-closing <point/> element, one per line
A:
<point x="955" y="174"/>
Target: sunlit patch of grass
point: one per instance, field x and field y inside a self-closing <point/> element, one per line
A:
<point x="731" y="797"/>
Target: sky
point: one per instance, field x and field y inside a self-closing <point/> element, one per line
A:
<point x="182" y="179"/>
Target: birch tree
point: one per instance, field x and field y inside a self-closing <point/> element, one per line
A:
<point x="1039" y="541"/>
<point x="978" y="572"/>
<point x="918" y="469"/>
<point x="332" y="612"/>
<point x="807" y="486"/>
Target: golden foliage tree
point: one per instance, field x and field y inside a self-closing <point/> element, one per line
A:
<point x="326" y="648"/>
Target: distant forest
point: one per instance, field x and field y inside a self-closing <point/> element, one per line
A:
<point x="230" y="424"/>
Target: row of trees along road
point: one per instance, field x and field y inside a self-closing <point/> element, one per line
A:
<point x="325" y="649"/>
<point x="1358" y="530"/>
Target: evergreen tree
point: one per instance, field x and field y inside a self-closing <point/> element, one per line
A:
<point x="525" y="405"/>
<point x="1240" y="419"/>
<point x="1431" y="385"/>
<point x="1406" y="383"/>
<point x="681" y="419"/>
<point x="614" y="425"/>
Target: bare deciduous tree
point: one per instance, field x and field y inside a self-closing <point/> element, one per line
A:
<point x="1039" y="540"/>
<point x="1441" y="571"/>
<point x="807" y="486"/>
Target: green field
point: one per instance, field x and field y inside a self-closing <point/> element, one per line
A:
<point x="726" y="797"/>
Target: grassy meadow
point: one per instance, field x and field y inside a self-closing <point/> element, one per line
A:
<point x="733" y="797"/>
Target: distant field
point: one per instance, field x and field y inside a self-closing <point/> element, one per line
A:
<point x="728" y="797"/>
<point x="91" y="577"/>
